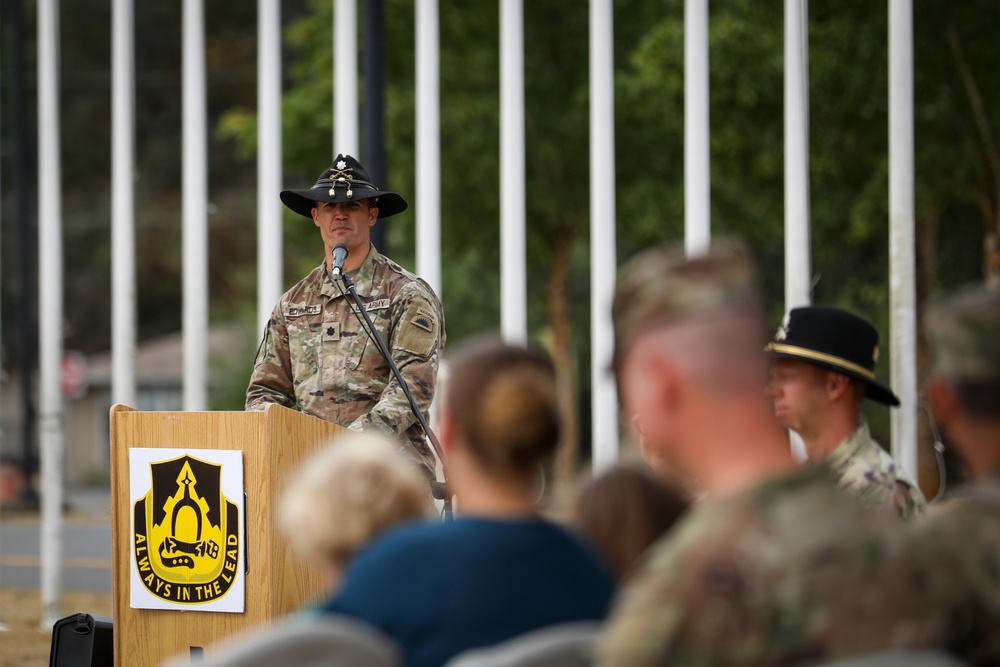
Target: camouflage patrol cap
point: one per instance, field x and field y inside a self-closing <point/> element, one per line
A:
<point x="964" y="332"/>
<point x="662" y="285"/>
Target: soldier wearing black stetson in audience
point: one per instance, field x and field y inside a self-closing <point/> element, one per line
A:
<point x="822" y="369"/>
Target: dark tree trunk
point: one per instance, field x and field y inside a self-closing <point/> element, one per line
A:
<point x="928" y="470"/>
<point x="557" y="299"/>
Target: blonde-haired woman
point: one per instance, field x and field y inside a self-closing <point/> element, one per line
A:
<point x="342" y="497"/>
<point x="348" y="493"/>
<point x="499" y="570"/>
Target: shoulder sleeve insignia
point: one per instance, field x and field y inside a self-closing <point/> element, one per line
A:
<point x="418" y="332"/>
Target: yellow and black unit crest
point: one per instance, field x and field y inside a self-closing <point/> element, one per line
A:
<point x="186" y="540"/>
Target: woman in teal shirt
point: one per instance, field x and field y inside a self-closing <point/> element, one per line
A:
<point x="500" y="569"/>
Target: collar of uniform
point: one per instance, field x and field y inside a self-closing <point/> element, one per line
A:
<point x="850" y="446"/>
<point x="772" y="489"/>
<point x="363" y="276"/>
<point x="776" y="486"/>
<point x="766" y="490"/>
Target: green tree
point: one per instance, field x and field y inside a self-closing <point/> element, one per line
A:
<point x="956" y="171"/>
<point x="849" y="150"/>
<point x="957" y="116"/>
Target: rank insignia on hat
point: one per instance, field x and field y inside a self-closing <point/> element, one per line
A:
<point x="344" y="174"/>
<point x="875" y="355"/>
<point x="340" y="174"/>
<point x="782" y="332"/>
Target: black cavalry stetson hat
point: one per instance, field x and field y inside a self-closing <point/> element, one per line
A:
<point x="835" y="339"/>
<point x="345" y="180"/>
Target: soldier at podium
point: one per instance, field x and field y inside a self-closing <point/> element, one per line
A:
<point x="316" y="356"/>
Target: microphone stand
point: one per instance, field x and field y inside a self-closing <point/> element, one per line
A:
<point x="438" y="489"/>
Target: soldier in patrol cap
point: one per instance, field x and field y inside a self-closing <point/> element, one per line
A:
<point x="315" y="356"/>
<point x="822" y="368"/>
<point x="775" y="564"/>
<point x="963" y="534"/>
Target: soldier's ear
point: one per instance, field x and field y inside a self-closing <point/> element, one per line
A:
<point x="837" y="385"/>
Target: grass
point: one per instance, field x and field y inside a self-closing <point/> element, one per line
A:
<point x="24" y="643"/>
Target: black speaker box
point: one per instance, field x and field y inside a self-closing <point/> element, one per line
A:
<point x="82" y="640"/>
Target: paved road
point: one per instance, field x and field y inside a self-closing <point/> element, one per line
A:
<point x="86" y="552"/>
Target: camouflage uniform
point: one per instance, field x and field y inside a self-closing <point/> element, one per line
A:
<point x="961" y="536"/>
<point x="791" y="572"/>
<point x="861" y="466"/>
<point x="316" y="358"/>
<point x="960" y="541"/>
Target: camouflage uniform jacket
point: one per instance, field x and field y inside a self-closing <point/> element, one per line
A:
<point x="961" y="537"/>
<point x="316" y="358"/>
<point x="792" y="572"/>
<point x="864" y="468"/>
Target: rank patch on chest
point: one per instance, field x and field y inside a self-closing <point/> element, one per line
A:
<point x="331" y="330"/>
<point x="299" y="311"/>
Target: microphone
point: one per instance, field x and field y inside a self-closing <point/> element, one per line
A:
<point x="339" y="257"/>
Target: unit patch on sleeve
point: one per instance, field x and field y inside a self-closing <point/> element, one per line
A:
<point x="418" y="332"/>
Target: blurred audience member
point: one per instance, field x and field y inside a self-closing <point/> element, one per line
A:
<point x="774" y="565"/>
<point x="348" y="493"/>
<point x="343" y="496"/>
<point x="963" y="536"/>
<point x="623" y="511"/>
<point x="652" y="459"/>
<point x="499" y="569"/>
<point x="822" y="369"/>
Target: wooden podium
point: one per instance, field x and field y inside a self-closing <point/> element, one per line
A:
<point x="273" y="443"/>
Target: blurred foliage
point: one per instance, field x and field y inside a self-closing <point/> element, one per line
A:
<point x="956" y="194"/>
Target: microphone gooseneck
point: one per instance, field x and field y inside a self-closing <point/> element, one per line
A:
<point x="439" y="490"/>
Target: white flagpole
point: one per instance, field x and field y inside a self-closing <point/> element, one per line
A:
<point x="697" y="172"/>
<point x="797" y="216"/>
<point x="428" y="167"/>
<point x="3" y="627"/>
<point x="50" y="264"/>
<point x="123" y="343"/>
<point x="345" y="79"/>
<point x="604" y="397"/>
<point x="902" y="251"/>
<point x="195" y="196"/>
<point x="269" y="155"/>
<point x="513" y="246"/>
